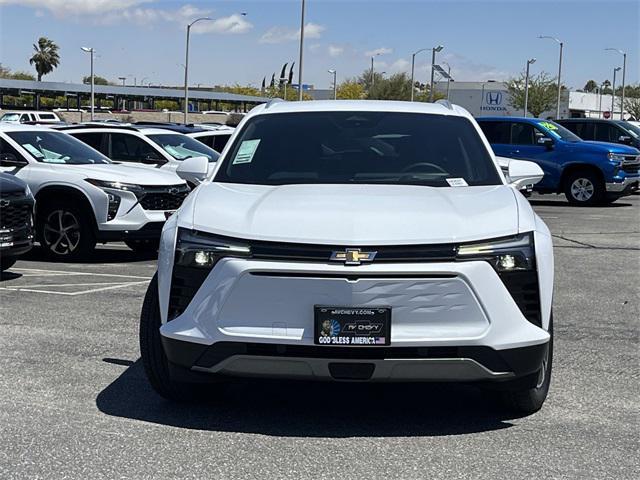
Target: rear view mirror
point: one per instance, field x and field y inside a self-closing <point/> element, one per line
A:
<point x="10" y="160"/>
<point x="624" y="139"/>
<point x="193" y="169"/>
<point x="522" y="173"/>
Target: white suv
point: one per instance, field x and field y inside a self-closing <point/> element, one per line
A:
<point x="355" y="240"/>
<point x="84" y="198"/>
<point x="150" y="147"/>
<point x="22" y="116"/>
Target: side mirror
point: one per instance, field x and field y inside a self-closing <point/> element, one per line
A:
<point x="522" y="173"/>
<point x="194" y="169"/>
<point x="545" y="142"/>
<point x="624" y="139"/>
<point x="10" y="160"/>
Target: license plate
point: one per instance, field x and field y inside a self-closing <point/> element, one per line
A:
<point x="352" y="326"/>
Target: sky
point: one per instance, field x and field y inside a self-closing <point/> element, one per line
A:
<point x="483" y="40"/>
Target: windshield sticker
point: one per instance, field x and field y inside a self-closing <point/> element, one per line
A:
<point x="246" y="151"/>
<point x="33" y="150"/>
<point x="457" y="182"/>
<point x="548" y="126"/>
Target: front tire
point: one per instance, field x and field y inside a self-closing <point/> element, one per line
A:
<point x="530" y="400"/>
<point x="154" y="360"/>
<point x="6" y="263"/>
<point x="65" y="231"/>
<point x="584" y="188"/>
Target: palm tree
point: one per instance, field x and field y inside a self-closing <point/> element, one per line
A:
<point x="46" y="57"/>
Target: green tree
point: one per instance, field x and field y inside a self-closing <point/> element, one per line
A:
<point x="350" y="89"/>
<point x="590" y="86"/>
<point x="542" y="93"/>
<point x="97" y="80"/>
<point x="7" y="73"/>
<point x="46" y="57"/>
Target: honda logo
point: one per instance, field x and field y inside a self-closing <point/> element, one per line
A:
<point x="493" y="98"/>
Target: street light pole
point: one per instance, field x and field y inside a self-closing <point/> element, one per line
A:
<point x="90" y="51"/>
<point x="413" y="68"/>
<point x="624" y="70"/>
<point x="335" y="83"/>
<point x="526" y="85"/>
<point x="613" y="93"/>
<point x="186" y="70"/>
<point x="448" y="78"/>
<point x="301" y="51"/>
<point x="559" y="72"/>
<point x="434" y="50"/>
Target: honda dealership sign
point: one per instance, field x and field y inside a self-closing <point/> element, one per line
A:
<point x="494" y="101"/>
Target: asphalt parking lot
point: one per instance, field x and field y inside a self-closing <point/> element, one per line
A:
<point x="75" y="402"/>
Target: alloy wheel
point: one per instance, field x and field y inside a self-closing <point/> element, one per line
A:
<point x="582" y="189"/>
<point x="62" y="232"/>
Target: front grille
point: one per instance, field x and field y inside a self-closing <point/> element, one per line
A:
<point x="11" y="195"/>
<point x="185" y="282"/>
<point x="523" y="287"/>
<point x="631" y="167"/>
<point x="165" y="198"/>
<point x="15" y="216"/>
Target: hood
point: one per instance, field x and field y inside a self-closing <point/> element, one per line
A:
<point x="608" y="147"/>
<point x="10" y="184"/>
<point x="112" y="172"/>
<point x="354" y="214"/>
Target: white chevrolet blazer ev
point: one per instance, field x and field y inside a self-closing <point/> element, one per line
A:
<point x="83" y="198"/>
<point x="357" y="241"/>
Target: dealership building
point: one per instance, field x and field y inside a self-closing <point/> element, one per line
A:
<point x="492" y="98"/>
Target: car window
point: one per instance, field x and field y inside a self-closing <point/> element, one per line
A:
<point x="25" y="118"/>
<point x="10" y="117"/>
<point x="130" y="148"/>
<point x="496" y="132"/>
<point x="556" y="131"/>
<point x="6" y="148"/>
<point x="93" y="139"/>
<point x="46" y="116"/>
<point x="523" y="134"/>
<point x="56" y="147"/>
<point x="607" y="133"/>
<point x="220" y="141"/>
<point x="182" y="147"/>
<point x="359" y="148"/>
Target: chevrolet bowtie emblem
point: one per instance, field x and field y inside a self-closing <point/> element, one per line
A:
<point x="353" y="256"/>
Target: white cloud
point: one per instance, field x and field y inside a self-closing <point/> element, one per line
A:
<point x="108" y="12"/>
<point x="378" y="51"/>
<point x="283" y="34"/>
<point x="62" y="8"/>
<point x="335" y="50"/>
<point x="400" y="65"/>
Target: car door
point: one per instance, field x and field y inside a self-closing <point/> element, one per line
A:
<point x="607" y="132"/>
<point x="128" y="148"/>
<point x="498" y="135"/>
<point x="524" y="145"/>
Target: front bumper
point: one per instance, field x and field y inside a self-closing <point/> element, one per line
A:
<point x="625" y="187"/>
<point x="450" y="321"/>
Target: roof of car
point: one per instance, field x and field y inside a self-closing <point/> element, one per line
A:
<point x="438" y="108"/>
<point x="20" y="127"/>
<point x="510" y="119"/>
<point x="115" y="127"/>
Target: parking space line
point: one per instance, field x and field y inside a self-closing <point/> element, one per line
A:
<point x="62" y="272"/>
<point x="112" y="286"/>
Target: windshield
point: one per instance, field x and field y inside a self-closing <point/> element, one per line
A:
<point x="57" y="147"/>
<point x="359" y="147"/>
<point x="10" y="117"/>
<point x="558" y="131"/>
<point x="182" y="147"/>
<point x="632" y="129"/>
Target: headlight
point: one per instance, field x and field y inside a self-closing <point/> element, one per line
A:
<point x="203" y="250"/>
<point x="505" y="254"/>
<point x="128" y="187"/>
<point x="616" y="157"/>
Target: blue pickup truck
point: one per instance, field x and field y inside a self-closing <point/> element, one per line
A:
<point x="588" y="173"/>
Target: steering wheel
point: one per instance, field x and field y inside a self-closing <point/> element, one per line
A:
<point x="433" y="166"/>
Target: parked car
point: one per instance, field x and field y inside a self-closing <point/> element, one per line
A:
<point x="213" y="136"/>
<point x="355" y="240"/>
<point x="16" y="219"/>
<point x="600" y="130"/>
<point x="152" y="147"/>
<point x="588" y="173"/>
<point x="83" y="197"/>
<point x="24" y="116"/>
